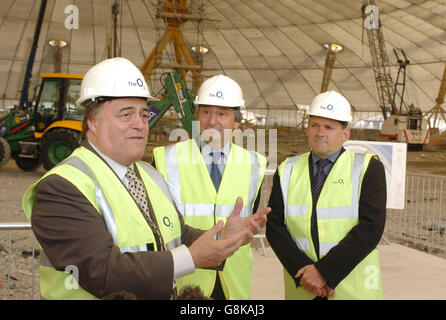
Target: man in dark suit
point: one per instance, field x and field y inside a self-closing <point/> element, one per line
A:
<point x="328" y="211"/>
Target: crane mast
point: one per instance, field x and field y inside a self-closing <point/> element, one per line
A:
<point x="378" y="54"/>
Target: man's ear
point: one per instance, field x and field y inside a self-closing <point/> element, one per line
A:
<point x="346" y="134"/>
<point x="91" y="124"/>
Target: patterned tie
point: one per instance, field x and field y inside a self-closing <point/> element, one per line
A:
<point x="316" y="186"/>
<point x="215" y="172"/>
<point x="138" y="192"/>
<point x="319" y="178"/>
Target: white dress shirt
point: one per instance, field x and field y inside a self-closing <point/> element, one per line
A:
<point x="183" y="263"/>
<point x="206" y="151"/>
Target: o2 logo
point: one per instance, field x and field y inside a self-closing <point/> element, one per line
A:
<point x="167" y="222"/>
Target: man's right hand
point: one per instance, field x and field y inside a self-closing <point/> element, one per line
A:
<point x="207" y="252"/>
<point x="313" y="281"/>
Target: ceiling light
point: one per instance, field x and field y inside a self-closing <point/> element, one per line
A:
<point x="58" y="43"/>
<point x="200" y="49"/>
<point x="334" y="47"/>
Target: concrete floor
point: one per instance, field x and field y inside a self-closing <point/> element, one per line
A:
<point x="407" y="274"/>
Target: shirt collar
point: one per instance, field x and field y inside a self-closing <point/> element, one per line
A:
<point x="118" y="168"/>
<point x="207" y="149"/>
<point x="332" y="158"/>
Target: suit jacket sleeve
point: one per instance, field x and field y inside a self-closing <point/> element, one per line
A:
<point x="72" y="232"/>
<point x="365" y="236"/>
<point x="289" y="254"/>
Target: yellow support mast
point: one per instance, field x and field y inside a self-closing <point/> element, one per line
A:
<point x="437" y="109"/>
<point x="175" y="13"/>
<point x="330" y="58"/>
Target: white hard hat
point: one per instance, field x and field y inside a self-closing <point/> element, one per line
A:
<point x="220" y="91"/>
<point x="116" y="77"/>
<point x="332" y="105"/>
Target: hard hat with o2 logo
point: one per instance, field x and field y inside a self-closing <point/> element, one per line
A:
<point x="332" y="105"/>
<point x="220" y="91"/>
<point x="116" y="77"/>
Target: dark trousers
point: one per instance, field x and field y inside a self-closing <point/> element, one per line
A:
<point x="218" y="293"/>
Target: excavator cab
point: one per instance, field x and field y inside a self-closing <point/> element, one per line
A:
<point x="57" y="100"/>
<point x="49" y="129"/>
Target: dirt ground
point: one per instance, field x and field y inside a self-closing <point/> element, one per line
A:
<point x="14" y="182"/>
<point x="427" y="162"/>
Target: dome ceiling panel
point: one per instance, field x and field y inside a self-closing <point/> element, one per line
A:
<point x="274" y="49"/>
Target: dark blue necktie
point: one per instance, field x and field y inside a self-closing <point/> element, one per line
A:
<point x="319" y="178"/>
<point x="215" y="172"/>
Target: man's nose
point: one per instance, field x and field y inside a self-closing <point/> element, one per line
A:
<point x="213" y="118"/>
<point x="320" y="131"/>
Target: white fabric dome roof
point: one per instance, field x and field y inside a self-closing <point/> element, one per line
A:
<point x="273" y="49"/>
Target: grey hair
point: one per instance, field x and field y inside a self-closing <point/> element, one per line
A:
<point x="238" y="117"/>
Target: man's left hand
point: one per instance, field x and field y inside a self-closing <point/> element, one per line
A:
<point x="313" y="281"/>
<point x="253" y="224"/>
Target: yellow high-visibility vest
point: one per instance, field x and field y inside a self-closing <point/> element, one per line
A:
<point x="337" y="213"/>
<point x="202" y="206"/>
<point x="129" y="229"/>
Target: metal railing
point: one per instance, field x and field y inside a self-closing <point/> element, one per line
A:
<point x="19" y="283"/>
<point x="423" y="219"/>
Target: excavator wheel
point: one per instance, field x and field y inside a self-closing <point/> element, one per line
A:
<point x="5" y="152"/>
<point x="57" y="145"/>
<point x="28" y="164"/>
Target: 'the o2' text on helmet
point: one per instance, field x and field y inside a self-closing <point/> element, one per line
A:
<point x="220" y="91"/>
<point x="116" y="77"/>
<point x="332" y="105"/>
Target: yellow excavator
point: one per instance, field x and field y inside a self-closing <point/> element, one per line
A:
<point x="48" y="130"/>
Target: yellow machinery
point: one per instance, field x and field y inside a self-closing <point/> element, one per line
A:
<point x="48" y="130"/>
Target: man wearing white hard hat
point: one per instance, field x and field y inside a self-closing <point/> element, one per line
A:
<point x="328" y="211"/>
<point x="105" y="219"/>
<point x="207" y="174"/>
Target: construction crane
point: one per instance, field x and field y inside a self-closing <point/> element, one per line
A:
<point x="330" y="58"/>
<point x="405" y="126"/>
<point x="400" y="81"/>
<point x="380" y="60"/>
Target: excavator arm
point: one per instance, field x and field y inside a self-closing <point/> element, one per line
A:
<point x="176" y="96"/>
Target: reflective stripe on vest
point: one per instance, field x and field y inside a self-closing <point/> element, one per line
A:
<point x="322" y="213"/>
<point x="202" y="206"/>
<point x="207" y="209"/>
<point x="336" y="215"/>
<point x="106" y="210"/>
<point x="129" y="230"/>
